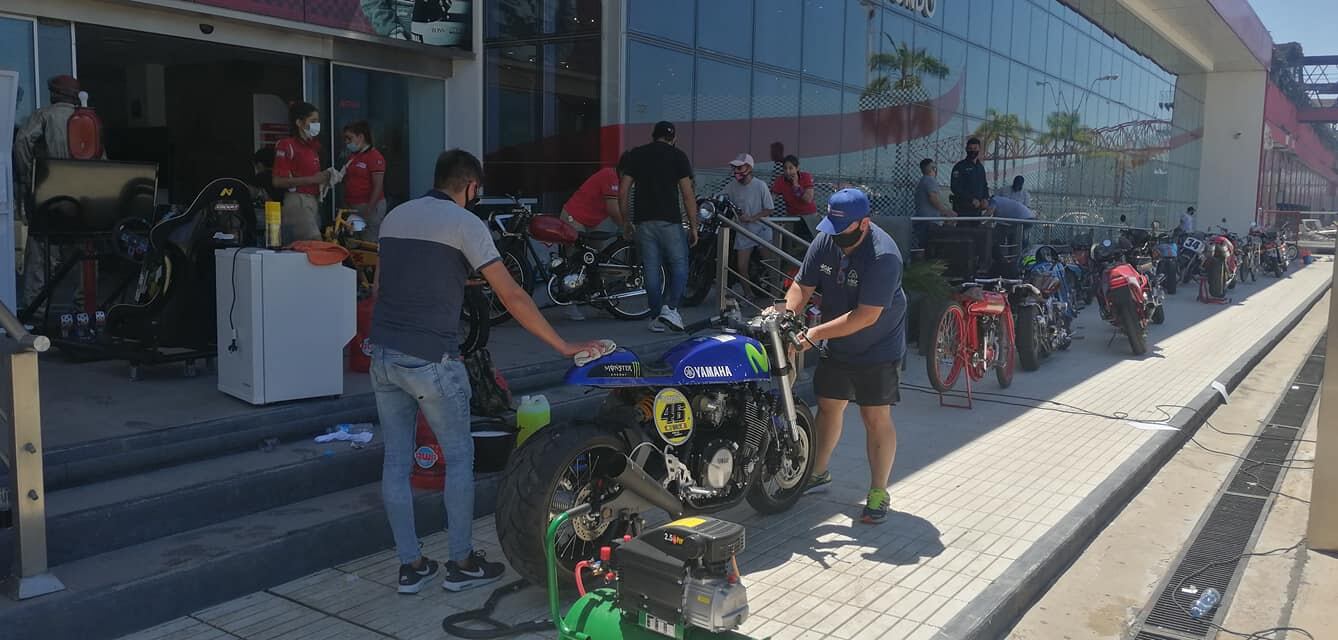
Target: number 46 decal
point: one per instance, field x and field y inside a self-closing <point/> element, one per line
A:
<point x="673" y="416"/>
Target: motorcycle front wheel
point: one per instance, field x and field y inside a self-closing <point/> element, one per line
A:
<point x="1126" y="314"/>
<point x="1003" y="370"/>
<point x="942" y="361"/>
<point x="786" y="467"/>
<point x="1028" y="338"/>
<point x="555" y="470"/>
<point x="1171" y="281"/>
<point x="701" y="275"/>
<point x="513" y="258"/>
<point x="1216" y="278"/>
<point x="473" y="326"/>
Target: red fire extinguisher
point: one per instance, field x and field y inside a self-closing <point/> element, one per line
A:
<point x="429" y="471"/>
<point x="360" y="348"/>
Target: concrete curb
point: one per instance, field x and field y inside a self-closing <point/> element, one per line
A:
<point x="994" y="612"/>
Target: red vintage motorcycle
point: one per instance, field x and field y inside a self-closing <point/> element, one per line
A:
<point x="974" y="335"/>
<point x="1123" y="293"/>
<point x="1221" y="264"/>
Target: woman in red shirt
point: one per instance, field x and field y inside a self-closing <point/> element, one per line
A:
<point x="364" y="178"/>
<point x="297" y="168"/>
<point x="796" y="188"/>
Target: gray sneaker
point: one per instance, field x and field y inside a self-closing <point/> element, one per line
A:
<point x="669" y="317"/>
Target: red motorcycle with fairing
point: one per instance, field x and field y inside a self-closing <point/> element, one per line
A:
<point x="1123" y="292"/>
<point x="1220" y="270"/>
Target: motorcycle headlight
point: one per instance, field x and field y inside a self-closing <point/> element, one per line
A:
<point x="706" y="211"/>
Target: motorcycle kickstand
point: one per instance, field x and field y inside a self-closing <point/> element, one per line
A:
<point x="970" y="404"/>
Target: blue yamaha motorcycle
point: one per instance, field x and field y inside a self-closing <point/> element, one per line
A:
<point x="1043" y="308"/>
<point x="711" y="424"/>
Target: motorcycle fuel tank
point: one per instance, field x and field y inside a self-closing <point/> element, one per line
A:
<point x="720" y="359"/>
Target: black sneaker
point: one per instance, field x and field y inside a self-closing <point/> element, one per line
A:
<point x="483" y="572"/>
<point x="412" y="580"/>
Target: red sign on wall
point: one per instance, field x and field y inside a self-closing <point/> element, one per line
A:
<point x="437" y="23"/>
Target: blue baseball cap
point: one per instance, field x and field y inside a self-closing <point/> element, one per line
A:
<point x="844" y="208"/>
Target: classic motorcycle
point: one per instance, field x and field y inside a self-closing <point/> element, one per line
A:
<point x="974" y="335"/>
<point x="711" y="424"/>
<point x="703" y="259"/>
<point x="1271" y="257"/>
<point x="1168" y="261"/>
<point x="611" y="278"/>
<point x="1042" y="313"/>
<point x="1220" y="267"/>
<point x="1124" y="293"/>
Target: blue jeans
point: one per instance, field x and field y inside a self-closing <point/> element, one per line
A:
<point x="663" y="245"/>
<point x="404" y="385"/>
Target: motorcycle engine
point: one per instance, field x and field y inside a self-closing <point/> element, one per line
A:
<point x="720" y="454"/>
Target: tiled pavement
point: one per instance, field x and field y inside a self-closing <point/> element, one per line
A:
<point x="972" y="492"/>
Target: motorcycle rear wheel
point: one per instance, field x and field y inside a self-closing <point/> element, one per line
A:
<point x="552" y="472"/>
<point x="1127" y="315"/>
<point x="513" y="258"/>
<point x="945" y="349"/>
<point x="627" y="278"/>
<point x="1028" y="338"/>
<point x="1216" y="270"/>
<point x="1171" y="281"/>
<point x="473" y="327"/>
<point x="777" y="493"/>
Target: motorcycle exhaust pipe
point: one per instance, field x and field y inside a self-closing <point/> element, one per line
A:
<point x="635" y="479"/>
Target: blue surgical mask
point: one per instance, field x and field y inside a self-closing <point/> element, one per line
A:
<point x="353" y="148"/>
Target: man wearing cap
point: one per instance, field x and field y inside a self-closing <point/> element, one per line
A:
<point x="857" y="267"/>
<point x="754" y="201"/>
<point x="45" y="135"/>
<point x="656" y="187"/>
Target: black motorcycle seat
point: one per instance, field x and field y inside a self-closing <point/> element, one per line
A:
<point x="598" y="236"/>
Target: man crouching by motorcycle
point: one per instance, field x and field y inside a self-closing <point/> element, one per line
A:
<point x="857" y="267"/>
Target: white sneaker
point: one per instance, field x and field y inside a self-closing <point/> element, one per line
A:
<point x="670" y="317"/>
<point x="573" y="312"/>
<point x="656" y="326"/>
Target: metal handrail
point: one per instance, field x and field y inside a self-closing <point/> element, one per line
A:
<point x="1032" y="221"/>
<point x="22" y="414"/>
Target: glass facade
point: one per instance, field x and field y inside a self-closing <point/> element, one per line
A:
<point x="861" y="90"/>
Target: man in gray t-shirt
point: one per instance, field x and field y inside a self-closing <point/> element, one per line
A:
<point x="927" y="202"/>
<point x="429" y="246"/>
<point x="755" y="202"/>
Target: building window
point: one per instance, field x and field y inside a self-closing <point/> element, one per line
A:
<point x="727" y="27"/>
<point x="778" y="32"/>
<point x="669" y="20"/>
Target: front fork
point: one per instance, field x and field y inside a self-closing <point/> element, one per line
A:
<point x="785" y="375"/>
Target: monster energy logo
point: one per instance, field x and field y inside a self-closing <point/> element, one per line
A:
<point x="621" y="370"/>
<point x="757" y="358"/>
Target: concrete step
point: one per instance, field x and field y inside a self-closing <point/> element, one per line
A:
<point x="119" y="512"/>
<point x="114" y="593"/>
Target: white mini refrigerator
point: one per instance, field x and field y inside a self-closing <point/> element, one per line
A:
<point x="282" y="325"/>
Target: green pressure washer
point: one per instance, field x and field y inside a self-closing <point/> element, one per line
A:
<point x="678" y="581"/>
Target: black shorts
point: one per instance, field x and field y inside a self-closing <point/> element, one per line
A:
<point x="867" y="385"/>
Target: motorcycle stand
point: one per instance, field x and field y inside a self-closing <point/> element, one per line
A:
<point x="1205" y="297"/>
<point x="943" y="397"/>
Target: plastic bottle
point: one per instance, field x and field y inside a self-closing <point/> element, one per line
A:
<point x="1204" y="605"/>
<point x="532" y="415"/>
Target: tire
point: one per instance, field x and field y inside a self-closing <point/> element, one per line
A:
<point x="629" y="278"/>
<point x="946" y="341"/>
<point x="529" y="487"/>
<point x="513" y="258"/>
<point x="1028" y="342"/>
<point x="769" y="495"/>
<point x="1159" y="315"/>
<point x="473" y="328"/>
<point x="701" y="276"/>
<point x="1003" y="371"/>
<point x="1216" y="272"/>
<point x="1291" y="253"/>
<point x="1189" y="272"/>
<point x="1171" y="281"/>
<point x="1127" y="315"/>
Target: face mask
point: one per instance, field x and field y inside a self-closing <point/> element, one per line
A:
<point x="353" y="147"/>
<point x="472" y="201"/>
<point x="848" y="239"/>
<point x="314" y="129"/>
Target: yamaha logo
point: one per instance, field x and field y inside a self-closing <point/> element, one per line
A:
<point x="692" y="373"/>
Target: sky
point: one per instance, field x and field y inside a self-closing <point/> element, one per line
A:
<point x="1309" y="22"/>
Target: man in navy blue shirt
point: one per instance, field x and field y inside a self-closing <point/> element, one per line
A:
<point x="856" y="266"/>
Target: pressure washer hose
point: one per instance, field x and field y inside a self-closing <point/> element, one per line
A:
<point x="580" y="586"/>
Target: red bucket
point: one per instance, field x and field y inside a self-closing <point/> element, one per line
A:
<point x="360" y="348"/>
<point x="429" y="471"/>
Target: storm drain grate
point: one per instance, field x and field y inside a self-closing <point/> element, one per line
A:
<point x="1212" y="558"/>
<point x="1312" y="371"/>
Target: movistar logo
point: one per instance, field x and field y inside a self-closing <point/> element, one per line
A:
<point x="757" y="358"/>
<point x="693" y="373"/>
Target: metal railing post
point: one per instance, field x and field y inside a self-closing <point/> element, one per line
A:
<point x="722" y="262"/>
<point x="22" y="417"/>
<point x="1322" y="531"/>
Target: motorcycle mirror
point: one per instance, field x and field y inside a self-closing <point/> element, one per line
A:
<point x="1105" y="243"/>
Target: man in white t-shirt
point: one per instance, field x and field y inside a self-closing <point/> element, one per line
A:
<point x="754" y="201"/>
<point x="1187" y="221"/>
